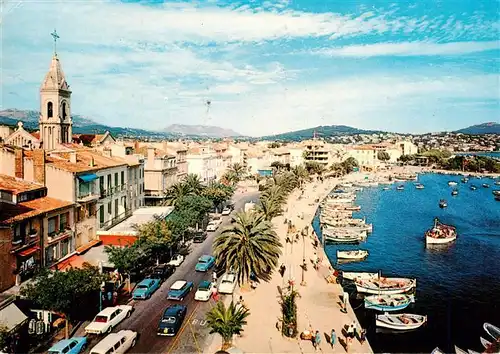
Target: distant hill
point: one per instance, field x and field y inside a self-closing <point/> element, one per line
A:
<point x="81" y="125"/>
<point x="321" y="131"/>
<point x="484" y="128"/>
<point x="201" y="131"/>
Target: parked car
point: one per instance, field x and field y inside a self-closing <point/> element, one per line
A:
<point x="179" y="290"/>
<point x="72" y="345"/>
<point x="171" y="321"/>
<point x="204" y="291"/>
<point x="227" y="283"/>
<point x="116" y="343"/>
<point x="146" y="288"/>
<point x="162" y="272"/>
<point x="107" y="319"/>
<point x="176" y="260"/>
<point x="205" y="262"/>
<point x="212" y="226"/>
<point x="227" y="210"/>
<point x="199" y="236"/>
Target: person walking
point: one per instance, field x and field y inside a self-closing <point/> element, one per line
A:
<point x="333" y="338"/>
<point x="317" y="340"/>
<point x="214" y="276"/>
<point x="362" y="336"/>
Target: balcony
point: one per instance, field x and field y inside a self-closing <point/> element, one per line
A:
<point x="114" y="221"/>
<point x="87" y="197"/>
<point x="59" y="235"/>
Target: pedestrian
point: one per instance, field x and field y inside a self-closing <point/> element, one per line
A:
<point x="110" y="298"/>
<point x="362" y="336"/>
<point x="215" y="294"/>
<point x="317" y="340"/>
<point x="282" y="270"/>
<point x="214" y="276"/>
<point x="115" y="298"/>
<point x="333" y="338"/>
<point x="354" y="329"/>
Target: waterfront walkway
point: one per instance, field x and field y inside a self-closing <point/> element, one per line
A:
<point x="319" y="301"/>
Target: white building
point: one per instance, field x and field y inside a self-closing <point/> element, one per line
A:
<point x="202" y="161"/>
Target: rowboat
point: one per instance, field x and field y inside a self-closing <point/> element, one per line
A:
<point x="440" y="233"/>
<point x="452" y="183"/>
<point x="459" y="351"/>
<point x="402" y="322"/>
<point x="454" y="192"/>
<point x="485" y="343"/>
<point x="386" y="286"/>
<point x="443" y="203"/>
<point x="492" y="330"/>
<point x="400" y="188"/>
<point x="437" y="351"/>
<point x="486" y="185"/>
<point x="419" y="186"/>
<point x="388" y="302"/>
<point x="473" y="187"/>
<point x="359" y="275"/>
<point x="345" y="239"/>
<point x="357" y="254"/>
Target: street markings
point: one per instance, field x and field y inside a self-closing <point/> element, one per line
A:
<point x="199" y="322"/>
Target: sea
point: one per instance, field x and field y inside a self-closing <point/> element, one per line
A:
<point x="458" y="285"/>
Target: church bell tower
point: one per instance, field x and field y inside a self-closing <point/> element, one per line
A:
<point x="55" y="106"/>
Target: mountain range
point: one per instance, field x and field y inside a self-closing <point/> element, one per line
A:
<point x="84" y="125"/>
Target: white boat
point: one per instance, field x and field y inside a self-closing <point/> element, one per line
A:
<point x="492" y="330"/>
<point x="357" y="254"/>
<point x="485" y="343"/>
<point x="401" y="322"/>
<point x="343" y="238"/>
<point x="437" y="351"/>
<point x="452" y="183"/>
<point x="400" y="188"/>
<point x="359" y="275"/>
<point x="460" y="351"/>
<point x="440" y="233"/>
<point x="385" y="188"/>
<point x="387" y="286"/>
<point x="388" y="302"/>
<point x="472" y="351"/>
<point x="419" y="186"/>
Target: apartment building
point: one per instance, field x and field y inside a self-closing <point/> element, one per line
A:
<point x="367" y="154"/>
<point x="202" y="161"/>
<point x="316" y="150"/>
<point x="35" y="230"/>
<point x="160" y="173"/>
<point x="296" y="155"/>
<point x="223" y="161"/>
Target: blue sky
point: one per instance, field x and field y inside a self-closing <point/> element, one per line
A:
<point x="265" y="66"/>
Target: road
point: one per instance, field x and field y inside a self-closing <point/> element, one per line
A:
<point x="147" y="313"/>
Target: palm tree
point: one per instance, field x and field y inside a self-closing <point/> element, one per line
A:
<point x="300" y="174"/>
<point x="249" y="245"/>
<point x="193" y="184"/>
<point x="269" y="207"/>
<point x="175" y="193"/>
<point x="237" y="170"/>
<point x="227" y="321"/>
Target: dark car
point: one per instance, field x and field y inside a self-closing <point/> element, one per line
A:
<point x="200" y="236"/>
<point x="171" y="321"/>
<point x="162" y="272"/>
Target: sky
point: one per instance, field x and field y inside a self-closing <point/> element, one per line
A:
<point x="261" y="67"/>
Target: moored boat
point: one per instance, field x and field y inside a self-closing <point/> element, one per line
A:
<point x="454" y="192"/>
<point x="385" y="188"/>
<point x="443" y="203"/>
<point x="389" y="286"/>
<point x="486" y="185"/>
<point x="437" y="351"/>
<point x="492" y="330"/>
<point x="472" y="187"/>
<point x="440" y="233"/>
<point x="452" y="183"/>
<point x="388" y="302"/>
<point x="356" y="254"/>
<point x="464" y="180"/>
<point x="485" y="343"/>
<point x="401" y="322"/>
<point x="497" y="183"/>
<point x="459" y="351"/>
<point x="496" y="192"/>
<point x="353" y="208"/>
<point x="354" y="276"/>
<point x="497" y="198"/>
<point x="400" y="187"/>
<point x="419" y="186"/>
<point x="346" y="239"/>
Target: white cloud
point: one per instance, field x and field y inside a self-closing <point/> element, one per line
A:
<point x="410" y="49"/>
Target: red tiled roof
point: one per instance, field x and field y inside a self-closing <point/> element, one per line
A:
<point x="16" y="185"/>
<point x="10" y="213"/>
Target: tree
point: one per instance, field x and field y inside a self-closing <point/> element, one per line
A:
<point x="277" y="165"/>
<point x="349" y="164"/>
<point x="195" y="205"/>
<point x="300" y="174"/>
<point x="193" y="184"/>
<point x="4" y="336"/>
<point x="227" y="321"/>
<point x="288" y="302"/>
<point x="126" y="258"/>
<point x="314" y="167"/>
<point x="155" y="236"/>
<point x="176" y="192"/>
<point x="269" y="207"/>
<point x="383" y="156"/>
<point x="249" y="245"/>
<point x="235" y="173"/>
<point x="218" y="193"/>
<point x="65" y="292"/>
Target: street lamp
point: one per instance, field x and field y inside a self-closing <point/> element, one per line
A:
<point x="303" y="282"/>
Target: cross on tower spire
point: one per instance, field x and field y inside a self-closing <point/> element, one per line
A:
<point x="56" y="37"/>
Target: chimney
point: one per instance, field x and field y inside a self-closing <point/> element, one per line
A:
<point x="72" y="157"/>
<point x="107" y="152"/>
<point x="136" y="146"/>
<point x="39" y="166"/>
<point x="19" y="163"/>
<point x="92" y="163"/>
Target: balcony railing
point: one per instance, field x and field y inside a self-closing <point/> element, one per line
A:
<point x="59" y="235"/>
<point x="115" y="221"/>
<point x="85" y="197"/>
<point x="113" y="190"/>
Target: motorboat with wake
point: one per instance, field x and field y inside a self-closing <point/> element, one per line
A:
<point x="440" y="233"/>
<point x="388" y="302"/>
<point x="401" y="322"/>
<point x="443" y="203"/>
<point x="386" y="286"/>
<point x="352" y="255"/>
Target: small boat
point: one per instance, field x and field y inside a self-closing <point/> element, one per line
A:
<point x="485" y="343"/>
<point x="464" y="180"/>
<point x="385" y="188"/>
<point x="460" y="351"/>
<point x="497" y="183"/>
<point x="452" y="183"/>
<point x="454" y="192"/>
<point x="492" y="330"/>
<point x="353" y="208"/>
<point x="472" y="351"/>
<point x="496" y="192"/>
<point x="400" y="187"/>
<point x="354" y="276"/>
<point x="440" y="233"/>
<point x="497" y="198"/>
<point x="443" y="203"/>
<point x="387" y="286"/>
<point x="345" y="239"/>
<point x="486" y="185"/>
<point x="388" y="302"/>
<point x="402" y="322"/>
<point x="419" y="186"/>
<point x="437" y="351"/>
<point x="472" y="187"/>
<point x="357" y="254"/>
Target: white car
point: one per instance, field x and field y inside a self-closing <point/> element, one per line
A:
<point x="116" y="343"/>
<point x="204" y="291"/>
<point x="227" y="283"/>
<point x="107" y="319"/>
<point x="176" y="260"/>
<point x="212" y="226"/>
<point x="226" y="211"/>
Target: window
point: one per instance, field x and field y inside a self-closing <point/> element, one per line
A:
<point x="116" y="207"/>
<point x="64" y="247"/>
<point x="109" y="183"/>
<point x="50" y="110"/>
<point x="63" y="221"/>
<point x="116" y="179"/>
<point x="51" y="254"/>
<point x="83" y="189"/>
<point x="123" y="178"/>
<point x="101" y="184"/>
<point x="109" y="208"/>
<point x="101" y="214"/>
<point x="117" y="345"/>
<point x="52" y="225"/>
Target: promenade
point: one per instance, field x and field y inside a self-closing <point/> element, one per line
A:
<point x="319" y="301"/>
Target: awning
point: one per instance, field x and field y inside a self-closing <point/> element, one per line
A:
<point x="87" y="246"/>
<point x="11" y="317"/>
<point x="89" y="177"/>
<point x="29" y="251"/>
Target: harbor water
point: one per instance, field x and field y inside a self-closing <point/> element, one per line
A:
<point x="458" y="285"/>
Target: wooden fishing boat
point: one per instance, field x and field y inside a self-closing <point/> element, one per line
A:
<point x="388" y="302"/>
<point x="492" y="330"/>
<point x="486" y="185"/>
<point x="400" y="187"/>
<point x="345" y="239"/>
<point x="388" y="286"/>
<point x="459" y="351"/>
<point x="497" y="183"/>
<point x="440" y="233"/>
<point x="472" y="187"/>
<point x="419" y="186"/>
<point x="401" y="322"/>
<point x="454" y="192"/>
<point x="485" y="343"/>
<point x="443" y="203"/>
<point x="354" y="276"/>
<point x="464" y="180"/>
<point x="496" y="192"/>
<point x="356" y="254"/>
<point x="437" y="351"/>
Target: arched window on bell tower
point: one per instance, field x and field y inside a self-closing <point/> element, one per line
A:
<point x="50" y="110"/>
<point x="64" y="111"/>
